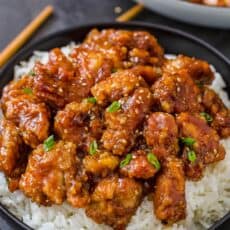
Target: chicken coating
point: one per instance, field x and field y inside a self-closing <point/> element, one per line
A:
<point x="205" y="143"/>
<point x="116" y="53"/>
<point x="149" y="73"/>
<point x="193" y="169"/>
<point x="78" y="188"/>
<point x="139" y="167"/>
<point x="79" y="123"/>
<point x="11" y="146"/>
<point x="169" y="192"/>
<point x="197" y="69"/>
<point x="30" y="116"/>
<point x="219" y="112"/>
<point x="120" y="84"/>
<point x="121" y="125"/>
<point x="48" y="173"/>
<point x="91" y="64"/>
<point x="17" y="88"/>
<point x="20" y="105"/>
<point x="141" y="47"/>
<point x="176" y="93"/>
<point x="102" y="163"/>
<point x="161" y="134"/>
<point x="114" y="201"/>
<point x="59" y="82"/>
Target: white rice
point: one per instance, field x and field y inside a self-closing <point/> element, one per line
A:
<point x="207" y="200"/>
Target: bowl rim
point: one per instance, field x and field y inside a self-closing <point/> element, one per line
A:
<point x="32" y="46"/>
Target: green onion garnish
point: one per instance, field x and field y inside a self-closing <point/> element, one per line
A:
<point x="152" y="159"/>
<point x="207" y="117"/>
<point x="32" y="73"/>
<point x="199" y="84"/>
<point x="93" y="147"/>
<point x="188" y="141"/>
<point x="114" y="70"/>
<point x="192" y="156"/>
<point x="28" y="91"/>
<point x="92" y="100"/>
<point x="126" y="161"/>
<point x="115" y="106"/>
<point x="49" y="143"/>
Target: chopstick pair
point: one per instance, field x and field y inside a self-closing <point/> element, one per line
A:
<point x="28" y="31"/>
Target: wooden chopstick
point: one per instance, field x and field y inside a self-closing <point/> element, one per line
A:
<point x="131" y="13"/>
<point x="26" y="33"/>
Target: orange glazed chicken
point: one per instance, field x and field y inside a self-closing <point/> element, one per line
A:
<point x="219" y="3"/>
<point x="110" y="123"/>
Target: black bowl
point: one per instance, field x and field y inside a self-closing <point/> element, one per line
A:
<point x="174" y="41"/>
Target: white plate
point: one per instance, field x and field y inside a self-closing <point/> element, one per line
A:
<point x="218" y="17"/>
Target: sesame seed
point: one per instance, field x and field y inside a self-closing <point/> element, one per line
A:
<point x="117" y="10"/>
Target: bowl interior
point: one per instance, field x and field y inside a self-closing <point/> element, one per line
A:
<point x="174" y="42"/>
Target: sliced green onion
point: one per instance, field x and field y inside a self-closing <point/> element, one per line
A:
<point x="126" y="161"/>
<point x="28" y="91"/>
<point x="207" y="117"/>
<point x="188" y="141"/>
<point x="93" y="147"/>
<point x="92" y="100"/>
<point x="115" y="106"/>
<point x="32" y="73"/>
<point x="49" y="143"/>
<point x="192" y="156"/>
<point x="114" y="70"/>
<point x="200" y="84"/>
<point x="152" y="159"/>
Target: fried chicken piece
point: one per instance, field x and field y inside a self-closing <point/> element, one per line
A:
<point x="176" y="93"/>
<point x="92" y="64"/>
<point x="169" y="194"/>
<point x="114" y="201"/>
<point x="30" y="116"/>
<point x="120" y="84"/>
<point x="10" y="146"/>
<point x="97" y="42"/>
<point x="137" y="47"/>
<point x="197" y="69"/>
<point x="193" y="169"/>
<point x="220" y="113"/>
<point x="206" y="143"/>
<point x="79" y="123"/>
<point x="102" y="163"/>
<point x="149" y="73"/>
<point x="139" y="166"/>
<point x="121" y="125"/>
<point x="59" y="82"/>
<point x="161" y="134"/>
<point x="49" y="172"/>
<point x="78" y="188"/>
<point x="17" y="88"/>
<point x="20" y="105"/>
